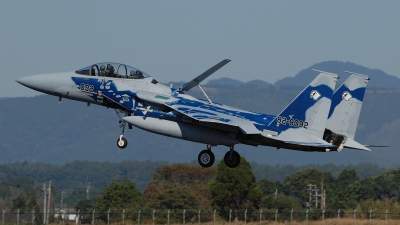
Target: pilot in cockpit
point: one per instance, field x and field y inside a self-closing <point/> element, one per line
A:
<point x="132" y="74"/>
<point x="102" y="71"/>
<point x="110" y="70"/>
<point x="138" y="74"/>
<point x="135" y="74"/>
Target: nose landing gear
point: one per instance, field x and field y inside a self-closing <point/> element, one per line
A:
<point x="122" y="142"/>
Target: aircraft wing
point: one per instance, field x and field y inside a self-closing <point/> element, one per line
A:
<point x="212" y="114"/>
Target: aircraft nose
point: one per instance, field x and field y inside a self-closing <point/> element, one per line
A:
<point x="37" y="82"/>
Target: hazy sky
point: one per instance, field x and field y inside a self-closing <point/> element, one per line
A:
<point x="178" y="40"/>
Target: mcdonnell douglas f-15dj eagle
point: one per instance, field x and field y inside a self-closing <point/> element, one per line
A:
<point x="316" y="120"/>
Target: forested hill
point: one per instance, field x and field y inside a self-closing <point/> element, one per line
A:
<point x="39" y="129"/>
<point x="76" y="174"/>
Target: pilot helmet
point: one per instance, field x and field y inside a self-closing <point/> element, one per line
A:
<point x="102" y="67"/>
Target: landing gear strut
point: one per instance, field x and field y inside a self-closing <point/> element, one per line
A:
<point x="122" y="142"/>
<point x="206" y="157"/>
<point x="232" y="158"/>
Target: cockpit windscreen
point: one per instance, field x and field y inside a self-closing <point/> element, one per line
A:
<point x="108" y="69"/>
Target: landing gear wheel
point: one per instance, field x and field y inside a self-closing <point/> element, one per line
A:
<point x="232" y="159"/>
<point x="206" y="158"/>
<point x="122" y="142"/>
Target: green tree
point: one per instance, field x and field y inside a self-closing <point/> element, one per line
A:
<point x="388" y="184"/>
<point x="235" y="188"/>
<point x="172" y="197"/>
<point x="363" y="190"/>
<point x="347" y="177"/>
<point x="296" y="184"/>
<point x="118" y="196"/>
<point x="281" y="202"/>
<point x="178" y="187"/>
<point x="342" y="197"/>
<point x="184" y="174"/>
<point x="19" y="203"/>
<point x="85" y="207"/>
<point x="268" y="187"/>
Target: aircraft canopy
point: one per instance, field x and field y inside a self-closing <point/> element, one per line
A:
<point x="109" y="69"/>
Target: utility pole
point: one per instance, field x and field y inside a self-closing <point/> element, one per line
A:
<point x="309" y="191"/>
<point x="316" y="198"/>
<point x="322" y="195"/>
<point x="48" y="205"/>
<point x="62" y="199"/>
<point x="45" y="192"/>
<point x="87" y="190"/>
<point x="311" y="188"/>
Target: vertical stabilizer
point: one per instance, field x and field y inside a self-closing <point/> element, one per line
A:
<point x="308" y="112"/>
<point x="346" y="105"/>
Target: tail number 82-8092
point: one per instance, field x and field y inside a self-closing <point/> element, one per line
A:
<point x="291" y="122"/>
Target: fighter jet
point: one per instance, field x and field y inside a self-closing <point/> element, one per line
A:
<point x="308" y="123"/>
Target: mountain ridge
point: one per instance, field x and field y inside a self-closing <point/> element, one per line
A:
<point x="378" y="78"/>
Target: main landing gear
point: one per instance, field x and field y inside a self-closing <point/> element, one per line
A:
<point x="206" y="158"/>
<point x="232" y="158"/>
<point x="122" y="142"/>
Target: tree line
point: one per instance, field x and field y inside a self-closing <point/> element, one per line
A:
<point x="185" y="186"/>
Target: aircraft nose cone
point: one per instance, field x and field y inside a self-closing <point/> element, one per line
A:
<point x="24" y="81"/>
<point x="37" y="82"/>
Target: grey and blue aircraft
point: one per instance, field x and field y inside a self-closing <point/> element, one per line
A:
<point x="317" y="120"/>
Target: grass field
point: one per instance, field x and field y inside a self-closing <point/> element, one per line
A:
<point x="344" y="221"/>
<point x="325" y="222"/>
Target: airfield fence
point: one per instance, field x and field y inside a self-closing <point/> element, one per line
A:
<point x="184" y="216"/>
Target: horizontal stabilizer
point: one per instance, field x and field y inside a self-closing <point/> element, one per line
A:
<point x="350" y="143"/>
<point x="196" y="81"/>
<point x="378" y="146"/>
